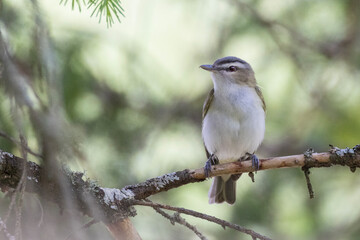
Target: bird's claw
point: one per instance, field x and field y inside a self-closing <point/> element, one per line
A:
<point x="213" y="160"/>
<point x="207" y="168"/>
<point x="254" y="160"/>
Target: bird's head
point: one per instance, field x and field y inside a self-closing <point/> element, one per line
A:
<point x="232" y="69"/>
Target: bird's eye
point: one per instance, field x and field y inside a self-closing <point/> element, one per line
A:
<point x="232" y="68"/>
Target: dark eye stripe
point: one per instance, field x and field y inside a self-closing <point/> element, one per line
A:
<point x="226" y="68"/>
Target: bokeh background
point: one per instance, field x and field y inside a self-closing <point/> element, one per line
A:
<point x="131" y="96"/>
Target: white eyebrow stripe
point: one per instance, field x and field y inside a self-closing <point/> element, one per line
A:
<point x="237" y="64"/>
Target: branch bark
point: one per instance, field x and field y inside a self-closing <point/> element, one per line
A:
<point x="114" y="200"/>
<point x="344" y="157"/>
<point x="123" y="230"/>
<point x="114" y="206"/>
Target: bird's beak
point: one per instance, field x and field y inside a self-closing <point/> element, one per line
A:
<point x="210" y="68"/>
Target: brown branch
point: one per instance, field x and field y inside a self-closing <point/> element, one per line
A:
<point x="113" y="206"/>
<point x="116" y="199"/>
<point x="336" y="156"/>
<point x="203" y="216"/>
<point x="123" y="230"/>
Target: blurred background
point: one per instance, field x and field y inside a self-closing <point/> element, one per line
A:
<point x="130" y="97"/>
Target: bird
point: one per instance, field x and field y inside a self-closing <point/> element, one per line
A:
<point x="233" y="122"/>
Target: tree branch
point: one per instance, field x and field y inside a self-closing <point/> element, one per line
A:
<point x="11" y="169"/>
<point x="203" y="216"/>
<point x="114" y="206"/>
<point x="123" y="230"/>
<point x="176" y="218"/>
<point x="344" y="157"/>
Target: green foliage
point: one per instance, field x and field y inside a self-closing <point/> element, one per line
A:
<point x="101" y="8"/>
<point x="106" y="8"/>
<point x="73" y="3"/>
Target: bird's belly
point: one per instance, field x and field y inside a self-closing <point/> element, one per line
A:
<point x="230" y="138"/>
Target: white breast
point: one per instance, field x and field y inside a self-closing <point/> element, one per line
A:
<point x="234" y="124"/>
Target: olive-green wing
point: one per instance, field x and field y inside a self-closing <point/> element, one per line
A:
<point x="205" y="110"/>
<point x="207" y="103"/>
<point x="259" y="93"/>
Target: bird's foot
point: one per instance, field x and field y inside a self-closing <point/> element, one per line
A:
<point x="254" y="160"/>
<point x="213" y="160"/>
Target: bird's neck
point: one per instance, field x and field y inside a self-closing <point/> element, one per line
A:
<point x="224" y="87"/>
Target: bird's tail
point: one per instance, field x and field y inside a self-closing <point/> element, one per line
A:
<point x="223" y="188"/>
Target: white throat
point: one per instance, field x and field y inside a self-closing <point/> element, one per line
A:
<point x="221" y="82"/>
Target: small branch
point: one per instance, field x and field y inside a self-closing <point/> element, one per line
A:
<point x="209" y="218"/>
<point x="308" y="157"/>
<point x="176" y="218"/>
<point x="13" y="140"/>
<point x="344" y="157"/>
<point x="308" y="182"/>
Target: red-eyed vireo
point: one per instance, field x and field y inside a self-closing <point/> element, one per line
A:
<point x="233" y="123"/>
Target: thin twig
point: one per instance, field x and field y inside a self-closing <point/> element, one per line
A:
<point x="308" y="182"/>
<point x="177" y="218"/>
<point x="209" y="218"/>
<point x="11" y="139"/>
<point x="308" y="158"/>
